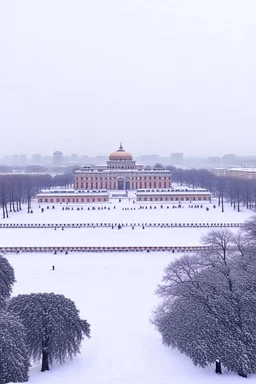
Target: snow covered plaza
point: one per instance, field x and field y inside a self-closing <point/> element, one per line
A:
<point x="114" y="291"/>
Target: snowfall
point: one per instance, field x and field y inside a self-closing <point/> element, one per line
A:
<point x="115" y="292"/>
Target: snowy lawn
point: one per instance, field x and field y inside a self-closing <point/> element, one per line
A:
<point x="115" y="293"/>
<point x="41" y="237"/>
<point x="127" y="212"/>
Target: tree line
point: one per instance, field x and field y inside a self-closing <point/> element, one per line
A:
<point x="238" y="192"/>
<point x="17" y="190"/>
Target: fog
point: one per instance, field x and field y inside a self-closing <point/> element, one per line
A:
<point x="161" y="76"/>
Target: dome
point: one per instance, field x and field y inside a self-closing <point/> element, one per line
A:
<point x="120" y="154"/>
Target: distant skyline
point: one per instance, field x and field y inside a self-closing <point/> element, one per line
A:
<point x="160" y="76"/>
<point x="69" y="154"/>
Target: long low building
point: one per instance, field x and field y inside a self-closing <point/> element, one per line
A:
<point x="73" y="196"/>
<point x="175" y="195"/>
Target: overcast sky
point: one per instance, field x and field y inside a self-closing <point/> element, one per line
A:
<point x="162" y="76"/>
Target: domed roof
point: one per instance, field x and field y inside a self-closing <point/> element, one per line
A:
<point x="120" y="154"/>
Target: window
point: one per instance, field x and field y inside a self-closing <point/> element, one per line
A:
<point x="82" y="200"/>
<point x="177" y="198"/>
<point x="57" y="200"/>
<point x="204" y="198"/>
<point x="154" y="183"/>
<point x="82" y="185"/>
<point x="46" y="200"/>
<point x="88" y="199"/>
<point x="187" y="198"/>
<point x="160" y="184"/>
<point x="93" y="200"/>
<point x="199" y="198"/>
<point x="51" y="200"/>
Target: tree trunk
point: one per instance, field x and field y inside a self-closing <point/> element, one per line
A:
<point x="6" y="211"/>
<point x="3" y="210"/>
<point x="222" y="203"/>
<point x="45" y="362"/>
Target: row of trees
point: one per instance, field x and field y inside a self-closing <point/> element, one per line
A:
<point x="40" y="326"/>
<point x="20" y="189"/>
<point x="208" y="302"/>
<point x="239" y="192"/>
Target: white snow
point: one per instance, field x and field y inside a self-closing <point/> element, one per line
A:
<point x="102" y="237"/>
<point x="129" y="212"/>
<point x="115" y="293"/>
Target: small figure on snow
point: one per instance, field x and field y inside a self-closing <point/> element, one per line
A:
<point x="53" y="268"/>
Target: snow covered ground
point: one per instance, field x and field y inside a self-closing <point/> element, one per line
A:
<point x="124" y="212"/>
<point x="102" y="237"/>
<point x="129" y="212"/>
<point x="115" y="293"/>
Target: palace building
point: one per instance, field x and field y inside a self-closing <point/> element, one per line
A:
<point x="121" y="172"/>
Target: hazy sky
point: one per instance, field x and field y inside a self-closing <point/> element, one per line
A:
<point x="161" y="75"/>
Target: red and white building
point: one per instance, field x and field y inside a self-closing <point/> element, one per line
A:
<point x="121" y="173"/>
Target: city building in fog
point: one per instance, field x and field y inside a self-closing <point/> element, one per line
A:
<point x="219" y="171"/>
<point x="15" y="159"/>
<point x="23" y="160"/>
<point x="74" y="157"/>
<point x="242" y="173"/>
<point x="57" y="158"/>
<point x="229" y="159"/>
<point x="36" y="158"/>
<point x="177" y="158"/>
<point x="238" y="173"/>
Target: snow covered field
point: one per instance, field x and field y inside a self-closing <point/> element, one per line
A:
<point x="115" y="293"/>
<point x="128" y="212"/>
<point x="125" y="212"/>
<point x="102" y="237"/>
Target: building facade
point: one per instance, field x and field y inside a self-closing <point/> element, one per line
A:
<point x="121" y="173"/>
<point x="70" y="196"/>
<point x="174" y="195"/>
<point x="57" y="158"/>
<point x="238" y="173"/>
